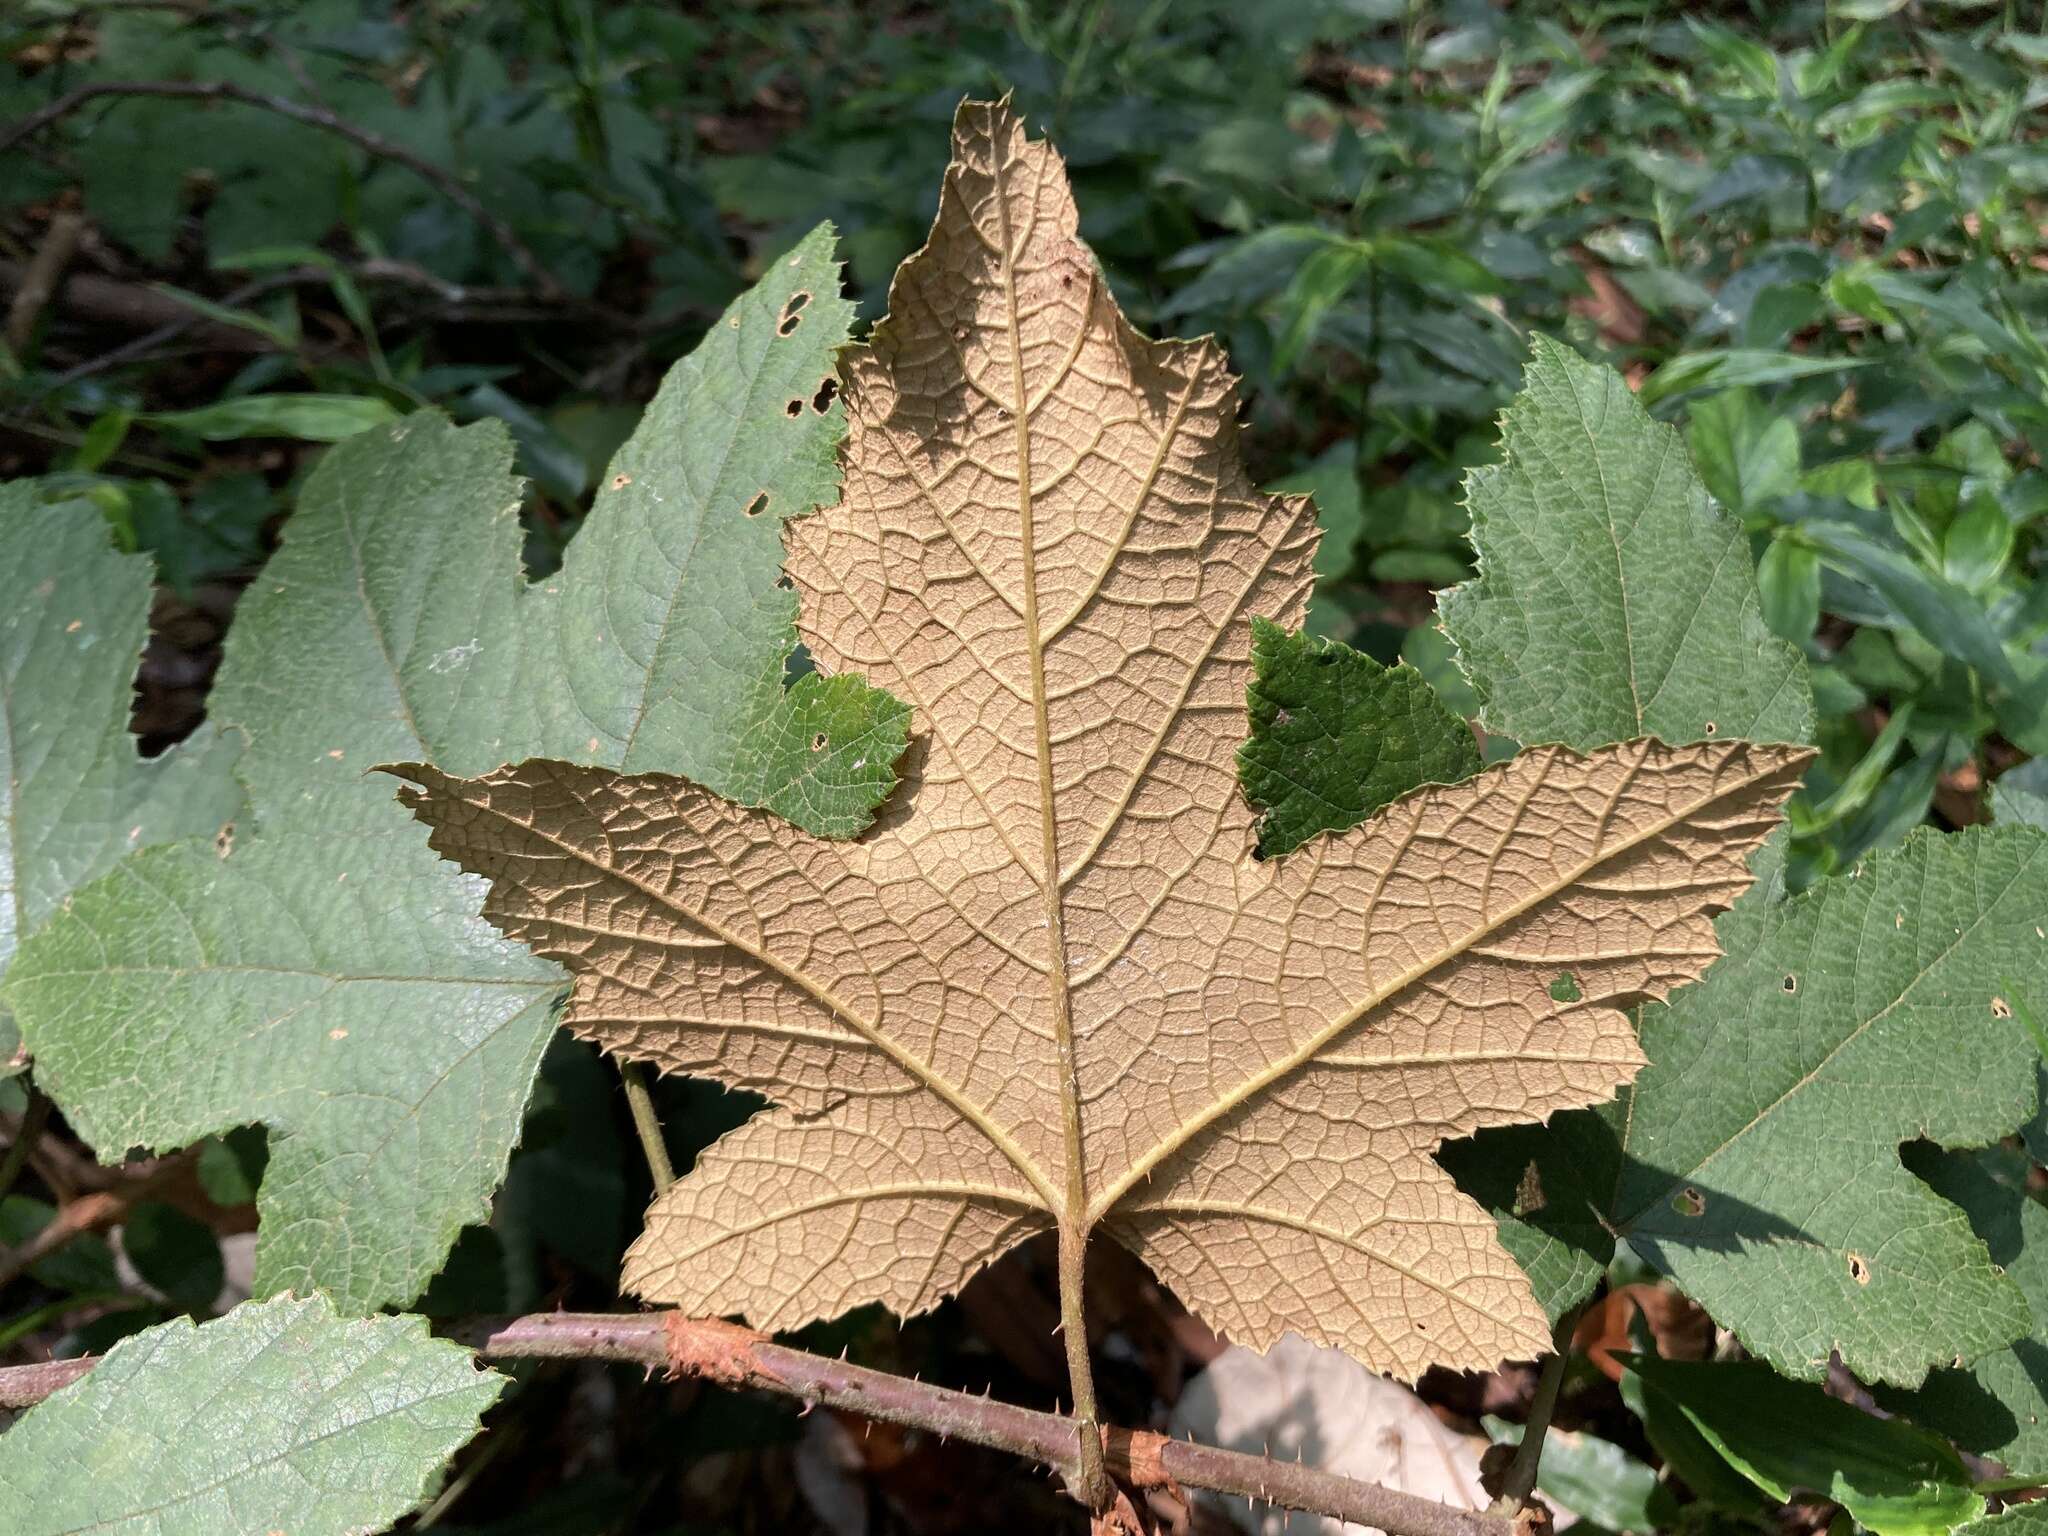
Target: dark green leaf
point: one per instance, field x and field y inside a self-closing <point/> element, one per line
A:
<point x="1335" y="735"/>
<point x="1786" y="1435"/>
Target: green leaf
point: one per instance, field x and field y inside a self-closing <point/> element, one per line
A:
<point x="219" y="530"/>
<point x="2020" y="795"/>
<point x="1733" y="367"/>
<point x="1596" y="1480"/>
<point x="1613" y="600"/>
<point x="312" y="418"/>
<point x="1784" y="1435"/>
<point x="75" y="795"/>
<point x="1332" y="479"/>
<point x="1997" y="1407"/>
<point x="2029" y="1519"/>
<point x="1335" y="735"/>
<point x="1977" y="544"/>
<point x="1788" y="578"/>
<point x="1756" y="1159"/>
<point x="330" y="976"/>
<point x="1747" y="455"/>
<point x="1943" y="613"/>
<point x="277" y="1417"/>
<point x="174" y="1253"/>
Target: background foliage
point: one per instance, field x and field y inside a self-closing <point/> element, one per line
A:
<point x="1810" y="237"/>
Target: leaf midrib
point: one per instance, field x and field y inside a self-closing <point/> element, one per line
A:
<point x="1059" y="986"/>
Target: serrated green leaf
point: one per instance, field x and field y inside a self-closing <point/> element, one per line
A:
<point x="1756" y="1159"/>
<point x="75" y="794"/>
<point x="1784" y="1435"/>
<point x="1335" y="735"/>
<point x="1613" y="599"/>
<point x="1997" y="1407"/>
<point x="277" y="1417"/>
<point x="330" y="977"/>
<point x="2020" y="795"/>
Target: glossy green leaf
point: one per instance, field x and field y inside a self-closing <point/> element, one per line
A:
<point x="277" y="1417"/>
<point x="329" y="976"/>
<point x="177" y="1255"/>
<point x="1977" y="543"/>
<point x="1788" y="580"/>
<point x="1613" y="599"/>
<point x="1734" y="367"/>
<point x="311" y="418"/>
<point x="1747" y="454"/>
<point x="1785" y="1436"/>
<point x="1595" y="1480"/>
<point x="1335" y="735"/>
<point x="1945" y="615"/>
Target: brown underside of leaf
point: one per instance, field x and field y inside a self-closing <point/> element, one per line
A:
<point x="1053" y="986"/>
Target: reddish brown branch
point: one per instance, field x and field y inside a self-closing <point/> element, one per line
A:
<point x="439" y="177"/>
<point x="39" y="279"/>
<point x="23" y="1386"/>
<point x="738" y="1357"/>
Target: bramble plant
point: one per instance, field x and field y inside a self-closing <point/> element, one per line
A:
<point x="1377" y="824"/>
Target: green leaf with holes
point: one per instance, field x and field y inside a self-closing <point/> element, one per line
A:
<point x="327" y="975"/>
<point x="1756" y="1160"/>
<point x="76" y="795"/>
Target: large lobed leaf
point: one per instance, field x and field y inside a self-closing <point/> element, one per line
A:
<point x="75" y="795"/>
<point x="1053" y="986"/>
<point x="328" y="976"/>
<point x="278" y="1417"/>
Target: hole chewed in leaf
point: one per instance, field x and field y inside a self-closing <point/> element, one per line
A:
<point x="758" y="505"/>
<point x="1859" y="1268"/>
<point x="792" y="314"/>
<point x="794" y="409"/>
<point x="821" y="402"/>
<point x="1565" y="989"/>
<point x="1689" y="1202"/>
